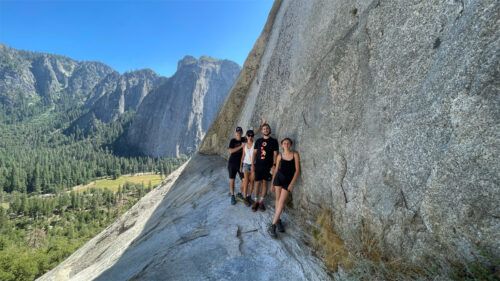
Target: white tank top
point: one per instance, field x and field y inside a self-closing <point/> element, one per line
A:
<point x="248" y="154"/>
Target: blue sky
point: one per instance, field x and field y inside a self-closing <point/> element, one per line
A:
<point x="130" y="35"/>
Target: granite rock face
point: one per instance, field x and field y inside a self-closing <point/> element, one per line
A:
<point x="116" y="94"/>
<point x="174" y="117"/>
<point x="394" y="107"/>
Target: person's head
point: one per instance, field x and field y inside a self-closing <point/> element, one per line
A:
<point x="238" y="132"/>
<point x="250" y="135"/>
<point x="286" y="143"/>
<point x="266" y="129"/>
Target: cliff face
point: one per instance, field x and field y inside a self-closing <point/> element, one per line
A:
<point x="116" y="94"/>
<point x="394" y="107"/>
<point x="173" y="119"/>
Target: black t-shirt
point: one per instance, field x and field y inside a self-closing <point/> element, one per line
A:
<point x="235" y="158"/>
<point x="265" y="149"/>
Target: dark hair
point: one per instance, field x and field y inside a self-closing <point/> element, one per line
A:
<point x="250" y="132"/>
<point x="288" y="139"/>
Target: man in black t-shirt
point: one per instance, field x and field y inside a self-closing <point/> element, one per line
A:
<point x="233" y="165"/>
<point x="264" y="155"/>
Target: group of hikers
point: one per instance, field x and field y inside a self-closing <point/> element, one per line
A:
<point x="259" y="162"/>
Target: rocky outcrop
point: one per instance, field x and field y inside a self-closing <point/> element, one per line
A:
<point x="35" y="77"/>
<point x="116" y="94"/>
<point x="394" y="108"/>
<point x="173" y="119"/>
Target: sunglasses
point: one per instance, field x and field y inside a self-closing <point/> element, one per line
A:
<point x="250" y="136"/>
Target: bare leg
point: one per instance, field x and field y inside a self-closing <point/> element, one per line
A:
<point x="231" y="186"/>
<point x="244" y="184"/>
<point x="277" y="191"/>
<point x="281" y="205"/>
<point x="263" y="190"/>
<point x="256" y="189"/>
<point x="250" y="185"/>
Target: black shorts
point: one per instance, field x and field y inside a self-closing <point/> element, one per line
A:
<point x="263" y="173"/>
<point x="234" y="169"/>
<point x="281" y="180"/>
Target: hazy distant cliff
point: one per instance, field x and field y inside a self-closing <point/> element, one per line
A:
<point x="176" y="113"/>
<point x="173" y="119"/>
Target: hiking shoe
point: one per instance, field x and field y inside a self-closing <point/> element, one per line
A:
<point x="245" y="201"/>
<point x="250" y="200"/>
<point x="272" y="231"/>
<point x="233" y="200"/>
<point x="280" y="226"/>
<point x="255" y="206"/>
<point x="239" y="196"/>
<point x="261" y="206"/>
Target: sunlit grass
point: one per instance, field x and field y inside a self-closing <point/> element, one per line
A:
<point x="113" y="184"/>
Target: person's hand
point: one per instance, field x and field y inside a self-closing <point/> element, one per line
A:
<point x="290" y="188"/>
<point x="272" y="188"/>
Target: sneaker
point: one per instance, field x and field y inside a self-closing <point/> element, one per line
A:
<point x="280" y="226"/>
<point x="239" y="196"/>
<point x="249" y="200"/>
<point x="261" y="206"/>
<point x="246" y="202"/>
<point x="272" y="231"/>
<point x="255" y="206"/>
<point x="233" y="200"/>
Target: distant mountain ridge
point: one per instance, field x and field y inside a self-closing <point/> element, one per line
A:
<point x="195" y="93"/>
<point x="46" y="77"/>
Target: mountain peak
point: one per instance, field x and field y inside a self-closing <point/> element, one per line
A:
<point x="185" y="61"/>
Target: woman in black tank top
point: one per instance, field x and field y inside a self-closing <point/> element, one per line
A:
<point x="284" y="177"/>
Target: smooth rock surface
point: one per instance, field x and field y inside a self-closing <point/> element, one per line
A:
<point x="187" y="229"/>
<point x="394" y="107"/>
<point x="173" y="118"/>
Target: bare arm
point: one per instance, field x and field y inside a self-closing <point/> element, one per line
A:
<point x="297" y="171"/>
<point x="233" y="150"/>
<point x="253" y="157"/>
<point x="242" y="157"/>
<point x="275" y="170"/>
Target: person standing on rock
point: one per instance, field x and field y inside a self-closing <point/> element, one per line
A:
<point x="264" y="156"/>
<point x="246" y="168"/>
<point x="284" y="177"/>
<point x="233" y="166"/>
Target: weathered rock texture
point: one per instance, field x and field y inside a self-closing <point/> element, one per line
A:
<point x="116" y="94"/>
<point x="394" y="107"/>
<point x="173" y="119"/>
<point x="187" y="230"/>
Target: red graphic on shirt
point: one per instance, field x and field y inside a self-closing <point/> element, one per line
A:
<point x="263" y="151"/>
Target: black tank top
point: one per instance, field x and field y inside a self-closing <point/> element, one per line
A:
<point x="287" y="167"/>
